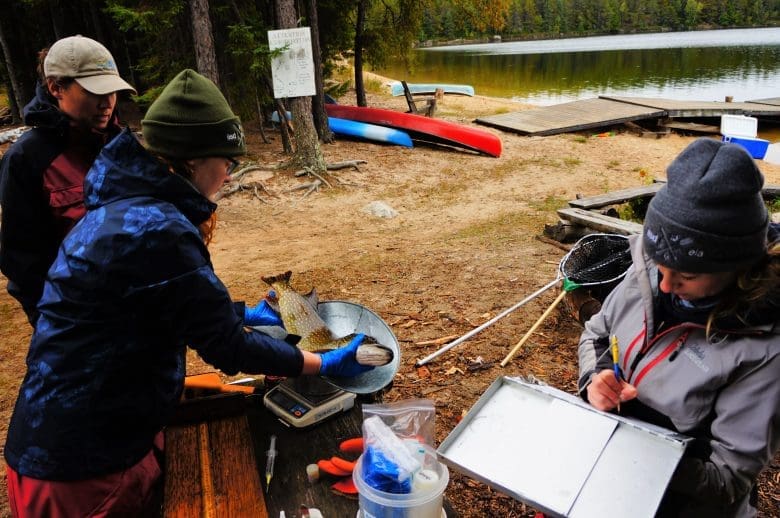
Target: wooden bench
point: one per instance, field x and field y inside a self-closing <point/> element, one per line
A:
<point x="430" y="102"/>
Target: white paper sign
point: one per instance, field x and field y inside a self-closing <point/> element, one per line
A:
<point x="293" y="70"/>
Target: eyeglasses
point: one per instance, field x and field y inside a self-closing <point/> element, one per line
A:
<point x="233" y="165"/>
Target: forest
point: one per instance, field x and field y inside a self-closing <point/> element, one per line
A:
<point x="152" y="41"/>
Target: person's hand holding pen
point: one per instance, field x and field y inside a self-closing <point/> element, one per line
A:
<point x="607" y="388"/>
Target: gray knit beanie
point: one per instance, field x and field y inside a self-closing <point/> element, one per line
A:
<point x="710" y="216"/>
<point x="192" y="119"/>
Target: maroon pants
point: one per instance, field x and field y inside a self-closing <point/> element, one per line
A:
<point x="128" y="493"/>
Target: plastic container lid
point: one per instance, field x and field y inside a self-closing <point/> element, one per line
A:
<point x="738" y="126"/>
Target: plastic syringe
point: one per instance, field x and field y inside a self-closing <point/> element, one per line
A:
<point x="269" y="462"/>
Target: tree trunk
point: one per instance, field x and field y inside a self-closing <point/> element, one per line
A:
<point x="307" y="145"/>
<point x="16" y="88"/>
<point x="318" y="108"/>
<point x="360" y="88"/>
<point x="205" y="55"/>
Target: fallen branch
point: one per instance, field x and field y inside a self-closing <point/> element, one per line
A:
<point x="347" y="163"/>
<point x="438" y="341"/>
<point x="562" y="246"/>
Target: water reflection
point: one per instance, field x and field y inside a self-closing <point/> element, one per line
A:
<point x="747" y="70"/>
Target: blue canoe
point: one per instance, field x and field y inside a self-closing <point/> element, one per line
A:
<point x="363" y="130"/>
<point x="425" y="88"/>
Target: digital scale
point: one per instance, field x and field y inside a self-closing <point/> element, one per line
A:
<point x="307" y="400"/>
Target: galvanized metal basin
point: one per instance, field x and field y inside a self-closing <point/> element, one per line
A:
<point x="344" y="318"/>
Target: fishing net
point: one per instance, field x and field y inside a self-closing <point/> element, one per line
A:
<point x="596" y="260"/>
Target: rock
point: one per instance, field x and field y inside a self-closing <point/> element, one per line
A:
<point x="380" y="209"/>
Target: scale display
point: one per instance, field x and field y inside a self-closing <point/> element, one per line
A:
<point x="302" y="408"/>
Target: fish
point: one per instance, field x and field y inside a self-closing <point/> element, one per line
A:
<point x="300" y="317"/>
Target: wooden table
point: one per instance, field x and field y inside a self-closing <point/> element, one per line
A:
<point x="297" y="448"/>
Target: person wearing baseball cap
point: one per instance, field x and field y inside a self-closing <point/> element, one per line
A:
<point x="697" y="321"/>
<point x="72" y="116"/>
<point x="131" y="289"/>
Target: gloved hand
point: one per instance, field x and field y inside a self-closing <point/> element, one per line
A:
<point x="341" y="362"/>
<point x="262" y="315"/>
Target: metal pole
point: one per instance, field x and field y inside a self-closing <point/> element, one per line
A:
<point x="486" y="324"/>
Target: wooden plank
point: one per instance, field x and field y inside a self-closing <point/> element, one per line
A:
<point x="600" y="222"/>
<point x="573" y="116"/>
<point x="616" y="197"/>
<point x="676" y="108"/>
<point x="182" y="493"/>
<point x="409" y="99"/>
<point x="691" y="126"/>
<point x="236" y="481"/>
<point x="234" y="488"/>
<point x="774" y="101"/>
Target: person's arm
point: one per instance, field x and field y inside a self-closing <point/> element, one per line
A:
<point x="593" y="348"/>
<point x="745" y="439"/>
<point x="27" y="245"/>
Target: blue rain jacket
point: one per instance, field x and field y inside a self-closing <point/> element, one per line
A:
<point x="131" y="288"/>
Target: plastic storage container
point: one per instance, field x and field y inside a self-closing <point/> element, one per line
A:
<point x="756" y="146"/>
<point x="425" y="502"/>
<point x="738" y="126"/>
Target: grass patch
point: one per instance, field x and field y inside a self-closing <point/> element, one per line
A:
<point x="571" y="161"/>
<point x="503" y="227"/>
<point x="374" y="85"/>
<point x="580" y="139"/>
<point x="612" y="164"/>
<point x="549" y="204"/>
<point x="773" y="205"/>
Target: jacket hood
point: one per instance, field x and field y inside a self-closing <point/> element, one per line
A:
<point x="124" y="169"/>
<point x="43" y="112"/>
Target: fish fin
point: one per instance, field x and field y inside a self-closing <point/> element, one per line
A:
<point x="313" y="297"/>
<point x="282" y="277"/>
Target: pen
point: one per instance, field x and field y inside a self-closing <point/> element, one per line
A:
<point x="615" y="363"/>
<point x="269" y="463"/>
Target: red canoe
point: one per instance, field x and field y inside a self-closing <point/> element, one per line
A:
<point x="422" y="128"/>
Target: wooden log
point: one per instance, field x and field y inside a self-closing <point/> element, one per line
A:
<point x="600" y="222"/>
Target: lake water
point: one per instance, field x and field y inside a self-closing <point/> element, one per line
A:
<point x="702" y="65"/>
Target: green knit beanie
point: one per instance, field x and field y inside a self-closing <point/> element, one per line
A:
<point x="192" y="119"/>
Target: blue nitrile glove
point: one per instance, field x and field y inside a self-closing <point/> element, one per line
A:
<point x="341" y="362"/>
<point x="381" y="473"/>
<point x="262" y="315"/>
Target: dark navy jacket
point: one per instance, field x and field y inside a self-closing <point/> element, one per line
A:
<point x="41" y="192"/>
<point x="131" y="288"/>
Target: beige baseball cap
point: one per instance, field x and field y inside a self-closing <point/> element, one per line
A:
<point x="86" y="61"/>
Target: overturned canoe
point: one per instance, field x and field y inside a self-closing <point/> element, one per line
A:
<point x="421" y="128"/>
<point x="430" y="88"/>
<point x="351" y="128"/>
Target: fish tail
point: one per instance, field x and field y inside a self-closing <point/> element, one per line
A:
<point x="282" y="277"/>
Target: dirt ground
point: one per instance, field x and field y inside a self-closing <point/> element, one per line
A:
<point x="462" y="249"/>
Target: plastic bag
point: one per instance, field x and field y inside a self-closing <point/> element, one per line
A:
<point x="394" y="436"/>
<point x="408" y="419"/>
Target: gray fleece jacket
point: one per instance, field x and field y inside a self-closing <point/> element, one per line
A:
<point x="723" y="392"/>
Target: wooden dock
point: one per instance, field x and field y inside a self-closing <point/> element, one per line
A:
<point x="583" y="211"/>
<point x="605" y="111"/>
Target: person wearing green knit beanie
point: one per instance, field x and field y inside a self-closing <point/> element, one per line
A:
<point x="133" y="286"/>
<point x="192" y="119"/>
